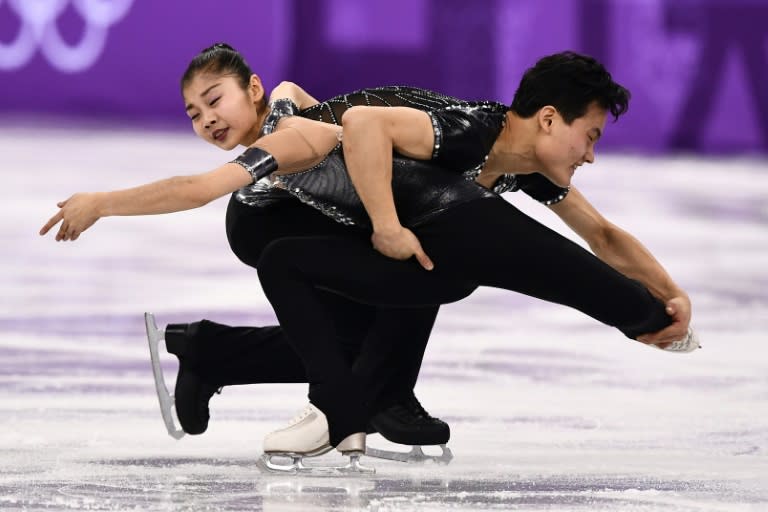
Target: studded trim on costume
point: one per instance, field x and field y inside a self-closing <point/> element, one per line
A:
<point x="324" y="208"/>
<point x="558" y="198"/>
<point x="505" y="183"/>
<point x="438" y="135"/>
<point x="509" y="183"/>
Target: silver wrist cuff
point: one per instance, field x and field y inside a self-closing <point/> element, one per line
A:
<point x="257" y="162"/>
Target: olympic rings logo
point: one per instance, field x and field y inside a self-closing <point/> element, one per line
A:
<point x="39" y="31"/>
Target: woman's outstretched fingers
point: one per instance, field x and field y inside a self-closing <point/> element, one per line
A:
<point x="61" y="235"/>
<point x="52" y="222"/>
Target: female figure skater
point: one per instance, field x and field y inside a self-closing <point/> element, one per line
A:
<point x="212" y="355"/>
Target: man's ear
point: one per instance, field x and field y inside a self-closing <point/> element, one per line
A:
<point x="256" y="89"/>
<point x="546" y="115"/>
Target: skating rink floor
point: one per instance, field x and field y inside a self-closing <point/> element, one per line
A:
<point x="549" y="410"/>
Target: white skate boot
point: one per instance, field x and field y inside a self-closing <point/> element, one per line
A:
<point x="307" y="436"/>
<point x="154" y="335"/>
<point x="688" y="344"/>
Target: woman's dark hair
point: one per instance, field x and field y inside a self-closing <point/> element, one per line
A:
<point x="570" y="82"/>
<point x="219" y="59"/>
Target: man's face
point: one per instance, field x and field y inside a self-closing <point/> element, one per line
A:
<point x="222" y="112"/>
<point x="565" y="147"/>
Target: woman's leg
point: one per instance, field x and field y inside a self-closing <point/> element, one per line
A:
<point x="232" y="355"/>
<point x="226" y="355"/>
<point x="213" y="355"/>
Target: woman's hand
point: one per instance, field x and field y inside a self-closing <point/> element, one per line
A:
<point x="76" y="214"/>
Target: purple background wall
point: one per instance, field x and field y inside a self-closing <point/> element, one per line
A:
<point x="698" y="69"/>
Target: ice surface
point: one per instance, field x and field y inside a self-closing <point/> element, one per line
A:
<point x="548" y="409"/>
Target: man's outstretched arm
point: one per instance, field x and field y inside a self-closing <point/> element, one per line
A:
<point x="626" y="254"/>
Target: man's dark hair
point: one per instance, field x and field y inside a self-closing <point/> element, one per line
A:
<point x="218" y="59"/>
<point x="570" y="82"/>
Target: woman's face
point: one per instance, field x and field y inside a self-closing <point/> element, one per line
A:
<point x="222" y="112"/>
<point x="564" y="147"/>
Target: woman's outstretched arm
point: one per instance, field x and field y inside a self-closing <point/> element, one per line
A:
<point x="175" y="194"/>
<point x="298" y="144"/>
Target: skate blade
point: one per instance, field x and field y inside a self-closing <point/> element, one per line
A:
<point x="683" y="346"/>
<point x="415" y="456"/>
<point x="164" y="397"/>
<point x="297" y="466"/>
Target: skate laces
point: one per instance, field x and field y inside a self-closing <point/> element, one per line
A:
<point x="414" y="407"/>
<point x="309" y="409"/>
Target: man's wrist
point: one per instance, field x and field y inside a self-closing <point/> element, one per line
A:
<point x="674" y="293"/>
<point x="388" y="227"/>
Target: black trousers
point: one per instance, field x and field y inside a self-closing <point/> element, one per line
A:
<point x="486" y="242"/>
<point x="363" y="334"/>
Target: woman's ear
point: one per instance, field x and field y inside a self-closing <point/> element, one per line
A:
<point x="256" y="89"/>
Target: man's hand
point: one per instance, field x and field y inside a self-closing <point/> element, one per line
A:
<point x="679" y="308"/>
<point x="400" y="244"/>
<point x="77" y="214"/>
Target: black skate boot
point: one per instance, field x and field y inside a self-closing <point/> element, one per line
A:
<point x="407" y="422"/>
<point x="192" y="393"/>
